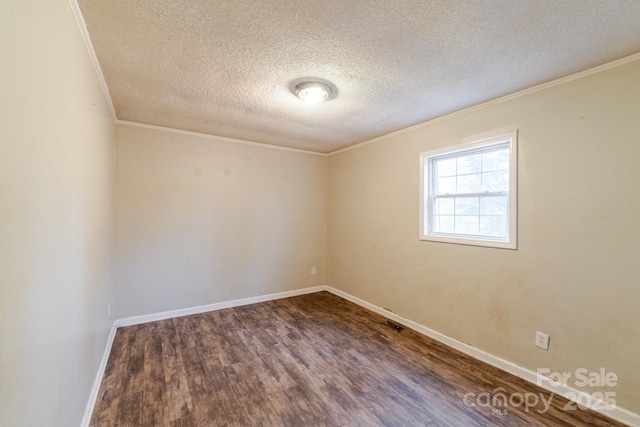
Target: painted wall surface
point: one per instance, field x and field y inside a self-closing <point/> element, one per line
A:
<point x="56" y="216"/>
<point x="202" y="220"/>
<point x="575" y="274"/>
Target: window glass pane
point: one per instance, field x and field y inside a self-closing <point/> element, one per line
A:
<point x="493" y="205"/>
<point x="496" y="226"/>
<point x="446" y="185"/>
<point x="466" y="197"/>
<point x="467" y="206"/>
<point x="469" y="183"/>
<point x="495" y="160"/>
<point x="467" y="224"/>
<point x="444" y="206"/>
<point x="469" y="164"/>
<point x="495" y="181"/>
<point x="443" y="223"/>
<point x="445" y="167"/>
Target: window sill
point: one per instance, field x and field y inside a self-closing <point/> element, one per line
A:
<point x="471" y="242"/>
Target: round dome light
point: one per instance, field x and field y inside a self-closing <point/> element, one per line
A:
<point x="313" y="91"/>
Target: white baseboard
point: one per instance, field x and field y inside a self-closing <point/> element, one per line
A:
<point x="137" y="320"/>
<point x="619" y="414"/>
<point x="93" y="396"/>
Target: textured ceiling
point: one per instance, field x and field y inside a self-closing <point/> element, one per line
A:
<point x="225" y="67"/>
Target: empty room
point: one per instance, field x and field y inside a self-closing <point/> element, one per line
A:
<point x="303" y="213"/>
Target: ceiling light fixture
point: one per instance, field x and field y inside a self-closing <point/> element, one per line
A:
<point x="313" y="91"/>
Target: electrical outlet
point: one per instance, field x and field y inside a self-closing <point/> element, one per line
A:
<point x="542" y="340"/>
<point x="313" y="270"/>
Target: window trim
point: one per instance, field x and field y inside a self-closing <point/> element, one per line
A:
<point x="425" y="198"/>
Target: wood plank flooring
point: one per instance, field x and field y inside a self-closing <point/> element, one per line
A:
<point x="311" y="360"/>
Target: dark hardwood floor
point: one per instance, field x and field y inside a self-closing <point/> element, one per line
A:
<point x="311" y="360"/>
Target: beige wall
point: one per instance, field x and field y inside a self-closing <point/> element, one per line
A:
<point x="202" y="220"/>
<point x="56" y="216"/>
<point x="576" y="272"/>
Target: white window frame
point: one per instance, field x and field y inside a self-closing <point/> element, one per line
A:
<point x="427" y="189"/>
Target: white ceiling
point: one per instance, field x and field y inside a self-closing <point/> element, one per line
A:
<point x="224" y="67"/>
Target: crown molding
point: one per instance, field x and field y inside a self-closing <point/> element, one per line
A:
<point x="82" y="26"/>
<point x="518" y="94"/>
<point x="562" y="80"/>
<point x="218" y="138"/>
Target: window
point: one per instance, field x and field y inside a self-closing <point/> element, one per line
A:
<point x="469" y="193"/>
